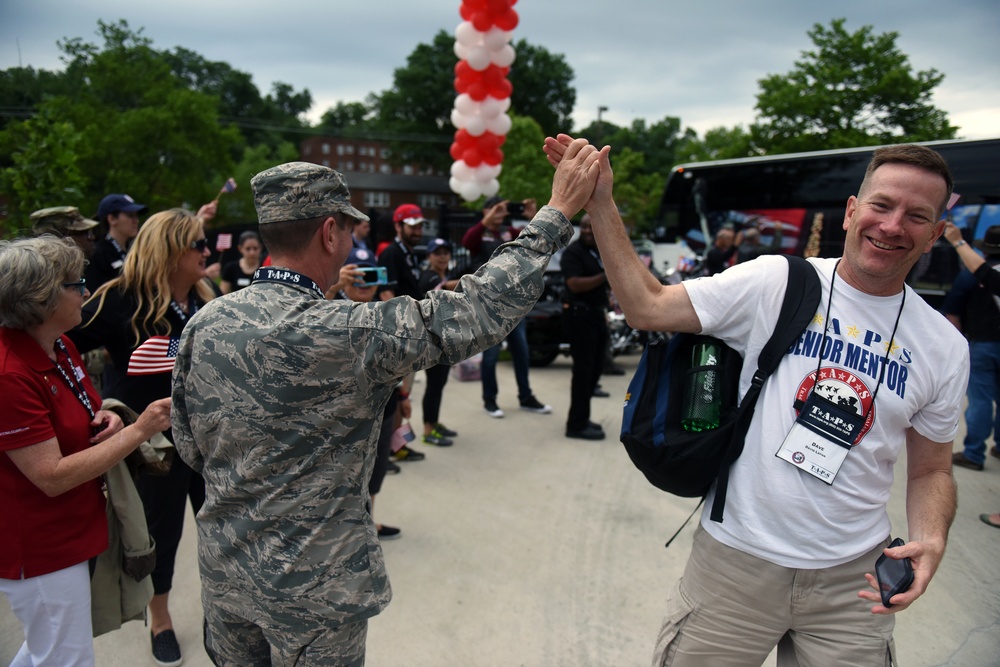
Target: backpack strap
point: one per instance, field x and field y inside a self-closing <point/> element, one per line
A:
<point x="797" y="310"/>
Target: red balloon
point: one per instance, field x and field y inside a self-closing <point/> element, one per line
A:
<point x="482" y="21"/>
<point x="461" y="86"/>
<point x="455" y="151"/>
<point x="474" y="4"/>
<point x="488" y="142"/>
<point x="466" y="12"/>
<point x="463" y="69"/>
<point x="498" y="7"/>
<point x="506" y="21"/>
<point x="472" y="157"/>
<point x="493" y="158"/>
<point x="464" y="139"/>
<point x="502" y="90"/>
<point x="478" y="91"/>
<point x="492" y="75"/>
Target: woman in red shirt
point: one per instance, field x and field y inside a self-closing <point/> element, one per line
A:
<point x="56" y="443"/>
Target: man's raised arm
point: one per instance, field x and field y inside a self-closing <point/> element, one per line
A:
<point x="647" y="304"/>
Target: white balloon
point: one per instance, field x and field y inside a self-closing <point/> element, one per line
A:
<point x="505" y="103"/>
<point x="457" y="118"/>
<point x="466" y="104"/>
<point x="494" y="38"/>
<point x="491" y="188"/>
<point x="503" y="57"/>
<point x="461" y="171"/>
<point x="478" y="58"/>
<point x="461" y="50"/>
<point x="470" y="190"/>
<point x="455" y="184"/>
<point x="467" y="34"/>
<point x="490" y="107"/>
<point x="499" y="125"/>
<point x="483" y="173"/>
<point x="476" y="125"/>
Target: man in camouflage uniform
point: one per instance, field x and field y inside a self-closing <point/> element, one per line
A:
<point x="278" y="396"/>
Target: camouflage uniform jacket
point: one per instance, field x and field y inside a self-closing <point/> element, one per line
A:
<point x="277" y="401"/>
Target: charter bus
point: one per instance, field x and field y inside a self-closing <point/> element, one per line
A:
<point x="806" y="194"/>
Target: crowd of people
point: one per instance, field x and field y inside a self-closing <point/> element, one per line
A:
<point x="282" y="386"/>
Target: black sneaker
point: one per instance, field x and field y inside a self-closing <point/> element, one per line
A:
<point x="590" y="432"/>
<point x="532" y="404"/>
<point x="492" y="409"/>
<point x="166" y="650"/>
<point x="437" y="438"/>
<point x="600" y="393"/>
<point x="392" y="469"/>
<point x="388" y="532"/>
<point x="407" y="454"/>
<point x="444" y="430"/>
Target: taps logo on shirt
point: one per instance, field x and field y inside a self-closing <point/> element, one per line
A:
<point x="846" y="389"/>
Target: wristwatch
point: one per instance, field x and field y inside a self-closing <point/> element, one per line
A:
<point x="958" y="245"/>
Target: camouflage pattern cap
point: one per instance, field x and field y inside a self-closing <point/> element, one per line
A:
<point x="61" y="219"/>
<point x="301" y="190"/>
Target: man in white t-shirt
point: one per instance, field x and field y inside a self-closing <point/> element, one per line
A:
<point x="805" y="518"/>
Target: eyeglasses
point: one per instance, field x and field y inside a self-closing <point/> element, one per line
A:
<point x="200" y="245"/>
<point x="80" y="284"/>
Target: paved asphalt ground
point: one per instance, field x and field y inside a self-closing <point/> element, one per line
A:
<point x="523" y="548"/>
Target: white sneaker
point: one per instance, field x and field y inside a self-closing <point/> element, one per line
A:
<point x="493" y="410"/>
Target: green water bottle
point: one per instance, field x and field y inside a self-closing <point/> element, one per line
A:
<point x="703" y="393"/>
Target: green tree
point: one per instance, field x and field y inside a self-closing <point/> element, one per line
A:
<point x="135" y="127"/>
<point x="43" y="170"/>
<point x="719" y="143"/>
<point x="543" y="88"/>
<point x="637" y="191"/>
<point x="347" y="119"/>
<point x="853" y="89"/>
<point x="526" y="172"/>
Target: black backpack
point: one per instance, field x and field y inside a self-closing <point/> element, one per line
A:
<point x="685" y="463"/>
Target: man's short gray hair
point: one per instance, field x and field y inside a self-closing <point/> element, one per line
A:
<point x="32" y="273"/>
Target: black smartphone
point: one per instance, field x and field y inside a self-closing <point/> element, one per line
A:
<point x="515" y="209"/>
<point x="894" y="576"/>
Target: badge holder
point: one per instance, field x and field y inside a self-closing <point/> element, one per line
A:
<point x="821" y="438"/>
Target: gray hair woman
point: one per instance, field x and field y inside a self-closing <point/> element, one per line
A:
<point x="55" y="443"/>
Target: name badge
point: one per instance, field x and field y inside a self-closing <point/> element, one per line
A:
<point x="821" y="438"/>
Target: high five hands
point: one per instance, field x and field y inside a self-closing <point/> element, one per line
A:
<point x="579" y="172"/>
<point x="559" y="148"/>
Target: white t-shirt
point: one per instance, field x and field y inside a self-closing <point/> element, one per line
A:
<point x="774" y="510"/>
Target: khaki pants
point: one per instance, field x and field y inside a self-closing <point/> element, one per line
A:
<point x="731" y="608"/>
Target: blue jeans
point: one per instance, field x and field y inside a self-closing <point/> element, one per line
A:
<point x="984" y="388"/>
<point x="517" y="343"/>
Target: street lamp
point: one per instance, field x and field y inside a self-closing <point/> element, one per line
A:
<point x="600" y="129"/>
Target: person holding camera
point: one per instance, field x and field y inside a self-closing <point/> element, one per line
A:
<point x="481" y="240"/>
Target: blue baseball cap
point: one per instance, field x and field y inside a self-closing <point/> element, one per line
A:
<point x="118" y="204"/>
<point x="437" y="244"/>
<point x="362" y="257"/>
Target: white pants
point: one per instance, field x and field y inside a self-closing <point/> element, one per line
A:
<point x="55" y="612"/>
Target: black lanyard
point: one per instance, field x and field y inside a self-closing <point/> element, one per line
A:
<point x="411" y="259"/>
<point x="888" y="347"/>
<point x="287" y="277"/>
<point x="75" y="384"/>
<point x="121" y="251"/>
<point x="192" y="308"/>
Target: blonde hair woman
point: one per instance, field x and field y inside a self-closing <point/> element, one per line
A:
<point x="138" y="317"/>
<point x="55" y="444"/>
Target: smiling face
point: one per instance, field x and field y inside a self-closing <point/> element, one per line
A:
<point x="191" y="267"/>
<point x="890" y="223"/>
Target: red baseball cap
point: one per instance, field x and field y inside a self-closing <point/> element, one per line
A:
<point x="409" y="214"/>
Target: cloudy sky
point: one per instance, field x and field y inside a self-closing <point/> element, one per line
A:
<point x="699" y="60"/>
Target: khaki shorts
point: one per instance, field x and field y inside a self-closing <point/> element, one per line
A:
<point x="731" y="608"/>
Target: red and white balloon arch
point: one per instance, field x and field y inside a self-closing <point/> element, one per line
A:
<point x="482" y="44"/>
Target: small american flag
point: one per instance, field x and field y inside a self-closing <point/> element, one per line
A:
<point x="224" y="242"/>
<point x="229" y="186"/>
<point x="155" y="355"/>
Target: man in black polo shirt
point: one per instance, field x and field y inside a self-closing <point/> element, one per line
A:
<point x="120" y="215"/>
<point x="585" y="306"/>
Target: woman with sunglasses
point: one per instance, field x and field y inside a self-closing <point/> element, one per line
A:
<point x="56" y="442"/>
<point x="138" y="317"/>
